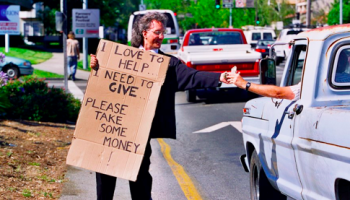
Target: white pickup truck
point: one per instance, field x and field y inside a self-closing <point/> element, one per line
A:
<point x="219" y="50"/>
<point x="301" y="149"/>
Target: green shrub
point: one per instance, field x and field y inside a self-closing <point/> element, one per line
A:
<point x="32" y="99"/>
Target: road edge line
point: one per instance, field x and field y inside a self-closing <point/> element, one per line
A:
<point x="183" y="179"/>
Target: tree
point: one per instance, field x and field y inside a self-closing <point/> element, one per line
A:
<point x="203" y="14"/>
<point x="47" y="16"/>
<point x="333" y="15"/>
<point x="274" y="11"/>
<point x="112" y="12"/>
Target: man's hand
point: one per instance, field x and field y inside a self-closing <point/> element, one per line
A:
<point x="224" y="77"/>
<point x="93" y="62"/>
<point x="236" y="79"/>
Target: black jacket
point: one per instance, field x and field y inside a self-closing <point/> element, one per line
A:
<point x="179" y="77"/>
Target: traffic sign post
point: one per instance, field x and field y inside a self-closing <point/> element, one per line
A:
<point x="86" y="23"/>
<point x="239" y="4"/>
<point x="9" y="22"/>
<point x="227" y="3"/>
<point x="244" y="4"/>
<point x="142" y="7"/>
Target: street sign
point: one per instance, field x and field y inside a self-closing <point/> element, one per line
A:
<point x="86" y="23"/>
<point x="249" y="4"/>
<point x="239" y="4"/>
<point x="227" y="3"/>
<point x="245" y="4"/>
<point x="9" y="20"/>
<point x="142" y="7"/>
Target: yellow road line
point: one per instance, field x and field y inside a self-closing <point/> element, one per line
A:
<point x="183" y="179"/>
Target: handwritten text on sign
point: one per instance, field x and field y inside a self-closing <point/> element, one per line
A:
<point x="116" y="116"/>
<point x="125" y="84"/>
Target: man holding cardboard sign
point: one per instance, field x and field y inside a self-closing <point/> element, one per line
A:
<point x="148" y="34"/>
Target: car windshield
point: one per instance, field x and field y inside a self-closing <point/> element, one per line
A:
<point x="293" y="32"/>
<point x="267" y="36"/>
<point x="215" y="38"/>
<point x="265" y="42"/>
<point x="256" y="36"/>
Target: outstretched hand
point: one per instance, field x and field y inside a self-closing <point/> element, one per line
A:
<point x="224" y="78"/>
<point x="236" y="79"/>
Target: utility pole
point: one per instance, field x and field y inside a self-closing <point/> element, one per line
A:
<point x="341" y="12"/>
<point x="308" y="14"/>
<point x="85" y="41"/>
<point x="64" y="42"/>
<point x="230" y="18"/>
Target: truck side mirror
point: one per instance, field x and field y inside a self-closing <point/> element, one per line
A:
<point x="267" y="71"/>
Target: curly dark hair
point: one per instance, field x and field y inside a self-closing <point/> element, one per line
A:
<point x="144" y="23"/>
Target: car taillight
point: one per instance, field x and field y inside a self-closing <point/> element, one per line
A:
<point x="260" y="50"/>
<point x="189" y="64"/>
<point x="172" y="41"/>
<point x="256" y="65"/>
<point x="226" y="67"/>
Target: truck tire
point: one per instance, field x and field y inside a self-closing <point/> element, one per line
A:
<point x="191" y="95"/>
<point x="260" y="187"/>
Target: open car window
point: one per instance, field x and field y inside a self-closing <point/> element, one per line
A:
<point x="296" y="69"/>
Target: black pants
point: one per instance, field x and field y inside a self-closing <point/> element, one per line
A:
<point x="140" y="190"/>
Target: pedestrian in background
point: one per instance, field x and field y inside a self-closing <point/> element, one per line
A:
<point x="72" y="55"/>
<point x="148" y="34"/>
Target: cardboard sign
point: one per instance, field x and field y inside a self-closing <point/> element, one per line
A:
<point x="117" y="111"/>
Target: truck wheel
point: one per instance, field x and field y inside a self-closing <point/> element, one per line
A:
<point x="191" y="95"/>
<point x="260" y="187"/>
<point x="12" y="72"/>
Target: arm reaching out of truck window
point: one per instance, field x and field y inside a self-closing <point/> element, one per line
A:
<point x="289" y="92"/>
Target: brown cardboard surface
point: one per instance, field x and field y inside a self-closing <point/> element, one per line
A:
<point x="117" y="111"/>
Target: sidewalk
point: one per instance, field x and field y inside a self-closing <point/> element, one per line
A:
<point x="81" y="183"/>
<point x="55" y="65"/>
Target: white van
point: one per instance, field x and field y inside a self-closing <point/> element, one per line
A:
<point x="254" y="35"/>
<point x="285" y="36"/>
<point x="171" y="38"/>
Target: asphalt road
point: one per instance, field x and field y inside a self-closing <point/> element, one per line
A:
<point x="209" y="159"/>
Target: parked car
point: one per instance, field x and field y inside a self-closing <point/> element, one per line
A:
<point x="263" y="47"/>
<point x="254" y="35"/>
<point x="285" y="36"/>
<point x="300" y="148"/>
<point x="219" y="50"/>
<point x="15" y="67"/>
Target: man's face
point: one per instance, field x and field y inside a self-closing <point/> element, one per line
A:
<point x="154" y="36"/>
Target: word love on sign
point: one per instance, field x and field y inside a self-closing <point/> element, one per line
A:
<point x="117" y="111"/>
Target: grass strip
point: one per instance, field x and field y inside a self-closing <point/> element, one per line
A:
<point x="34" y="56"/>
<point x="44" y="74"/>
